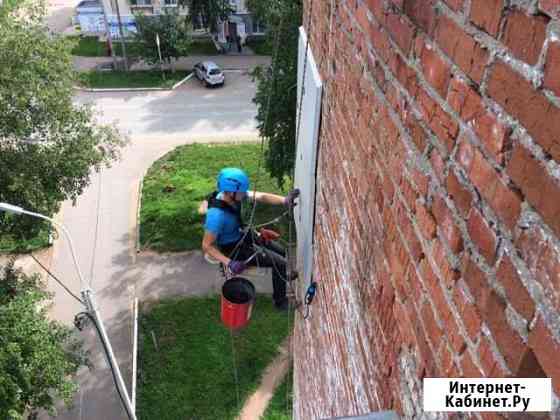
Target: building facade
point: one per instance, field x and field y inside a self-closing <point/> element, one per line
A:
<point x="90" y="16"/>
<point x="436" y="243"/>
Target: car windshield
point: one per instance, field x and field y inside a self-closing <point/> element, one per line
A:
<point x="214" y="71"/>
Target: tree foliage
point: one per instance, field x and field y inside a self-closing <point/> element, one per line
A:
<point x="38" y="357"/>
<point x="174" y="35"/>
<point x="48" y="145"/>
<point x="209" y="10"/>
<point x="276" y="96"/>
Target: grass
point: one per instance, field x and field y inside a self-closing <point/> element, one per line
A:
<point x="176" y="184"/>
<point x="192" y="376"/>
<point x="278" y="408"/>
<point x="10" y="244"/>
<point x="131" y="79"/>
<point x="90" y="46"/>
<point x="260" y="46"/>
<point x="203" y="46"/>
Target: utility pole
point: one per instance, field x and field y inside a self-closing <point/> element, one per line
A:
<point x="109" y="36"/>
<point x="89" y="303"/>
<point x="121" y="32"/>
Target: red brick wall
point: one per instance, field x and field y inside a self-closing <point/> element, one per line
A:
<point x="438" y="200"/>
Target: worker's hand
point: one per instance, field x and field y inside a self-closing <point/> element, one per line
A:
<point x="268" y="235"/>
<point x="236" y="267"/>
<point x="289" y="200"/>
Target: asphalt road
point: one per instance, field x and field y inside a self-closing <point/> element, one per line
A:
<point x="190" y="111"/>
<point x="103" y="223"/>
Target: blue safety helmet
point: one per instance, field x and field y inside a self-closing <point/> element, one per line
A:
<point x="233" y="180"/>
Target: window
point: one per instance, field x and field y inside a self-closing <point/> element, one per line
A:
<point x="259" y="27"/>
<point x="306" y="157"/>
<point x="214" y="72"/>
<point x="170" y="3"/>
<point x="141" y="2"/>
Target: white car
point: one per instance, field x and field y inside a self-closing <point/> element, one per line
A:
<point x="209" y="73"/>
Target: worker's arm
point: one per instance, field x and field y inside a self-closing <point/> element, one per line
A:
<point x="203" y="208"/>
<point x="266" y="198"/>
<point x="209" y="247"/>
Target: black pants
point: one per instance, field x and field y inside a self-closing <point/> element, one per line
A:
<point x="274" y="256"/>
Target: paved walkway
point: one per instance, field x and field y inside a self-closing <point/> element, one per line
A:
<point x="229" y="62"/>
<point x="103" y="226"/>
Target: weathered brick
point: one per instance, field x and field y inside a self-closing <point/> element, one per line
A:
<point x="543" y="261"/>
<point x="469" y="368"/>
<point x="433" y="331"/>
<point x="459" y="194"/>
<point x="435" y="69"/>
<point x="425" y="221"/>
<point x="438" y="165"/>
<point x="524" y="35"/>
<point x="464" y="50"/>
<point x="400" y="29"/>
<point x="516" y="292"/>
<point x="490" y="366"/>
<point x="505" y="203"/>
<point x="422" y="13"/>
<point x="546" y="349"/>
<point x="534" y="111"/>
<point x="441" y="123"/>
<point x="552" y="68"/>
<point x="551" y="7"/>
<point x="447" y="226"/>
<point x="469" y="315"/>
<point x="455" y="5"/>
<point x="482" y="235"/>
<point x="478" y="285"/>
<point x="449" y="274"/>
<point x="468" y="104"/>
<point x="416" y="131"/>
<point x="487" y="14"/>
<point x="537" y="185"/>
<point x="508" y="341"/>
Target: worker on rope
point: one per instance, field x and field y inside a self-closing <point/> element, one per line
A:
<point x="225" y="238"/>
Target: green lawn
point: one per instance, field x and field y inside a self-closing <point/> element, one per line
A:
<point x="90" y="46"/>
<point x="203" y="46"/>
<point x="280" y="406"/>
<point x="131" y="79"/>
<point x="192" y="375"/>
<point x="176" y="184"/>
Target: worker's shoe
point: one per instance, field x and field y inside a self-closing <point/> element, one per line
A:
<point x="282" y="305"/>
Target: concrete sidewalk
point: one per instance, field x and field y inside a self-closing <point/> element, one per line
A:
<point x="228" y="62"/>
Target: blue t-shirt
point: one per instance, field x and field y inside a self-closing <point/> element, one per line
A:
<point x="223" y="224"/>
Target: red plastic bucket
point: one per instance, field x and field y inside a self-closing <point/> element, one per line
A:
<point x="238" y="296"/>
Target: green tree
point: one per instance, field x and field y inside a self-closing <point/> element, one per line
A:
<point x="209" y="10"/>
<point x="173" y="30"/>
<point x="48" y="145"/>
<point x="38" y="357"/>
<point x="276" y="96"/>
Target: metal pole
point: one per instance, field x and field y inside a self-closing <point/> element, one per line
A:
<point x="109" y="36"/>
<point x="159" y="53"/>
<point x="87" y="295"/>
<point x="122" y="35"/>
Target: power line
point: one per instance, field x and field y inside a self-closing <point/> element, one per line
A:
<point x="57" y="280"/>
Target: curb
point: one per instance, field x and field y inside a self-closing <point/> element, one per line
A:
<point x="138" y="207"/>
<point x="147" y="89"/>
